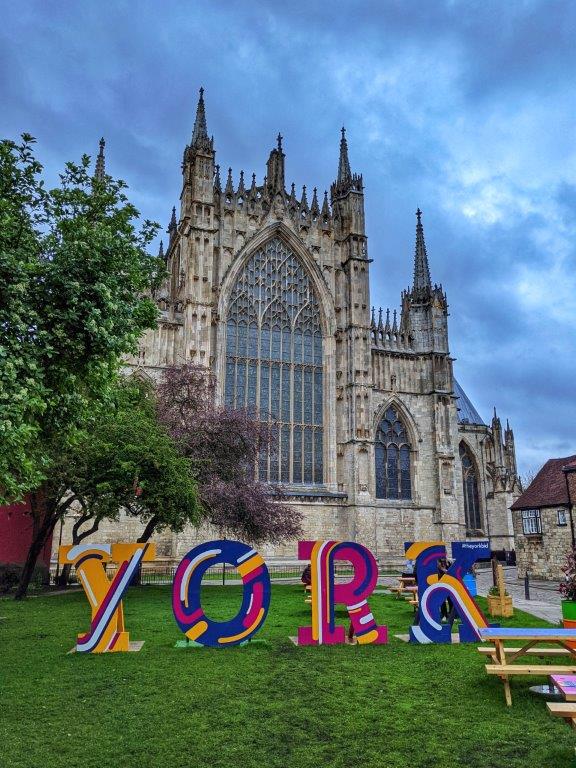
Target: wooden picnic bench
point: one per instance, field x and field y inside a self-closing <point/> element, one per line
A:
<point x="541" y="653"/>
<point x="564" y="709"/>
<point x="504" y="658"/>
<point x="566" y="685"/>
<point x="406" y="584"/>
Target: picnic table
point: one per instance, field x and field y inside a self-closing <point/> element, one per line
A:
<point x="566" y="709"/>
<point x="406" y="585"/>
<point x="531" y="640"/>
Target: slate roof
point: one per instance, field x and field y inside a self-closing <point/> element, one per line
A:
<point x="548" y="488"/>
<point x="467" y="414"/>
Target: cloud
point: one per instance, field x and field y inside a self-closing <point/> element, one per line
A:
<point x="460" y="107"/>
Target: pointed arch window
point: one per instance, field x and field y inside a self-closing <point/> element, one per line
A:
<point x="392" y="452"/>
<point x="274" y="361"/>
<point x="472" y="512"/>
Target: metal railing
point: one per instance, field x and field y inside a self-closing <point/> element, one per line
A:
<point x="221" y="573"/>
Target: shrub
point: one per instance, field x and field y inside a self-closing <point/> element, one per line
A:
<point x="567" y="588"/>
<point x="10" y="576"/>
<point x="495" y="592"/>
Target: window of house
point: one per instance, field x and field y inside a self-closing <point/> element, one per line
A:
<point x="531" y="522"/>
<point x="562" y="517"/>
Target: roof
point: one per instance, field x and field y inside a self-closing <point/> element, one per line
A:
<point x="548" y="487"/>
<point x="467" y="414"/>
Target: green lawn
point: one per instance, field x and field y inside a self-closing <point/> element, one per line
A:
<point x="274" y="705"/>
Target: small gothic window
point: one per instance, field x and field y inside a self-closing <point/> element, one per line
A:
<point x="472" y="513"/>
<point x="392" y="451"/>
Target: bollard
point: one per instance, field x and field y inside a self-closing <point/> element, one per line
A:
<point x="527" y="586"/>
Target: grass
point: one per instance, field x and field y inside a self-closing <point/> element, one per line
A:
<point x="273" y="705"/>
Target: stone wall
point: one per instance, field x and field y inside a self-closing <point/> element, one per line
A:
<point x="542" y="556"/>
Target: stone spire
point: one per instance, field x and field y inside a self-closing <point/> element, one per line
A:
<point x="346" y="181"/>
<point x="422" y="282"/>
<point x="100" y="169"/>
<point x="229" y="189"/>
<point x="325" y="208"/>
<point x="253" y="189"/>
<point x="241" y="191"/>
<point x="344" y="173"/>
<point x="161" y="250"/>
<point x="275" y="168"/>
<point x="314" y="207"/>
<point x="173" y="225"/>
<point x="217" y="182"/>
<point x="200" y="138"/>
<point x="304" y="201"/>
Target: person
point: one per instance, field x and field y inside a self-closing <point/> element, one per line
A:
<point x="409" y="569"/>
<point x="306" y="577"/>
<point x="351" y="635"/>
<point x="447" y="610"/>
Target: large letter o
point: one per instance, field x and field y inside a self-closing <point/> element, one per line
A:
<point x="186" y="593"/>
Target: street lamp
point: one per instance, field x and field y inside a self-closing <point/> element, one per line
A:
<point x="568" y="470"/>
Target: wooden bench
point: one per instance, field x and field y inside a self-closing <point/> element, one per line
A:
<point x="541" y="653"/>
<point x="531" y="637"/>
<point x="502" y="670"/>
<point x="564" y="709"/>
<point x="505" y="670"/>
<point x="405" y="584"/>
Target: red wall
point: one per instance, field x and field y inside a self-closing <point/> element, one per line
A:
<point x="16" y="535"/>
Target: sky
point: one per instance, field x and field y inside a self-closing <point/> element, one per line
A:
<point x="466" y="109"/>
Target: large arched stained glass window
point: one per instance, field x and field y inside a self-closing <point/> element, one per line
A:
<point x="392" y="451"/>
<point x="274" y="361"/>
<point x="472" y="513"/>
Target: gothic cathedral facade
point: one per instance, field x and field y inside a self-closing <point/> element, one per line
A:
<point x="376" y="441"/>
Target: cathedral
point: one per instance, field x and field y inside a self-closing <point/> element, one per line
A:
<point x="375" y="440"/>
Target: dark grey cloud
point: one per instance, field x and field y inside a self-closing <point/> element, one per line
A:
<point x="464" y="108"/>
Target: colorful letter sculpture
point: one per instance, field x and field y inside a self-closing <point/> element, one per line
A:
<point x="107" y="630"/>
<point x="432" y="591"/>
<point x="326" y="593"/>
<point x="186" y="594"/>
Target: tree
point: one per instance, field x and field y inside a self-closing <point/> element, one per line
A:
<point x="128" y="460"/>
<point x="224" y="445"/>
<point x="527" y="478"/>
<point x="74" y="279"/>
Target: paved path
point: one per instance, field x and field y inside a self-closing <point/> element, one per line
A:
<point x="544" y="596"/>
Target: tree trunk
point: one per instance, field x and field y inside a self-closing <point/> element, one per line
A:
<point x="77" y="537"/>
<point x="142" y="539"/>
<point x="44" y="522"/>
<point x="64" y="575"/>
<point x="148" y="531"/>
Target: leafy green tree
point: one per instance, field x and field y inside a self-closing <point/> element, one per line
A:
<point x="127" y="460"/>
<point x="74" y="280"/>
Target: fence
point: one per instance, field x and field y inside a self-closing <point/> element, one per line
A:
<point x="221" y="574"/>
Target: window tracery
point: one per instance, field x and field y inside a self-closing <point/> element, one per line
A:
<point x="392" y="454"/>
<point x="472" y="512"/>
<point x="274" y="361"/>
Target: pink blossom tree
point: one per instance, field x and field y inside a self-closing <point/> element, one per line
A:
<point x="223" y="445"/>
